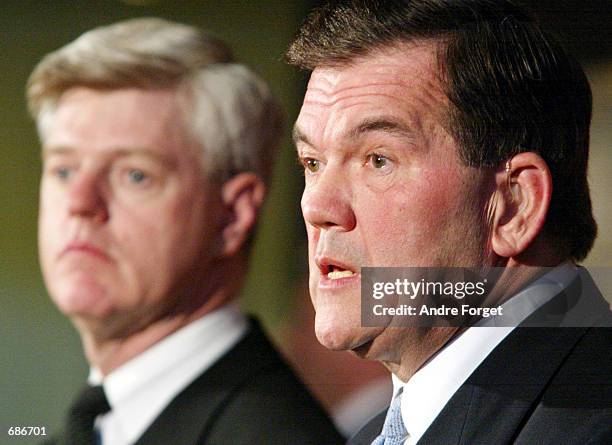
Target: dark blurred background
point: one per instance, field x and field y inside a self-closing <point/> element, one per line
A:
<point x="41" y="364"/>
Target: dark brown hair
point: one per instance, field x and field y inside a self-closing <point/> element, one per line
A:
<point x="511" y="87"/>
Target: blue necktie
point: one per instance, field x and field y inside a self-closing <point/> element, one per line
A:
<point x="393" y="432"/>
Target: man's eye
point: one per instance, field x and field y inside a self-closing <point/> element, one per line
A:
<point x="377" y="161"/>
<point x="312" y="165"/>
<point x="137" y="176"/>
<point x="62" y="173"/>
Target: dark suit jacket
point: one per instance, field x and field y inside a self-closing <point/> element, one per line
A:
<point x="541" y="385"/>
<point x="250" y="396"/>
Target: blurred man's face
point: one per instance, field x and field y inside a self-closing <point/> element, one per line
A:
<point x="127" y="219"/>
<point x="383" y="186"/>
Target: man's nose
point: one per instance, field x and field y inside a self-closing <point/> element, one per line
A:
<point x="326" y="203"/>
<point x="86" y="198"/>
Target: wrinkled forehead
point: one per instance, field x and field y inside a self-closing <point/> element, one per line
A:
<point x="401" y="83"/>
<point x="413" y="65"/>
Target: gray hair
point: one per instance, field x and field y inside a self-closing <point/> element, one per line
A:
<point x="229" y="110"/>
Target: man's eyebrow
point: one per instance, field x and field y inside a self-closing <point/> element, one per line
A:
<point x="383" y="124"/>
<point x="115" y="153"/>
<point x="156" y="156"/>
<point x="46" y="152"/>
<point x="298" y="136"/>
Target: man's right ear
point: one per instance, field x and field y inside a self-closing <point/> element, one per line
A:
<point x="242" y="197"/>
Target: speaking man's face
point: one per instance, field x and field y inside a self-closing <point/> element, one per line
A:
<point x="383" y="186"/>
<point x="127" y="219"/>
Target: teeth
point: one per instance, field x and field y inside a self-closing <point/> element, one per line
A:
<point x="337" y="274"/>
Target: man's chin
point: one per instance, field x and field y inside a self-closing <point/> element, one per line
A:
<point x="79" y="304"/>
<point x="356" y="339"/>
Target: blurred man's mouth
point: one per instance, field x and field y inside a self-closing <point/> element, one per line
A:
<point x="85" y="248"/>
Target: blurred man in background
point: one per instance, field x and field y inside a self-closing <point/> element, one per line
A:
<point x="440" y="133"/>
<point x="157" y="148"/>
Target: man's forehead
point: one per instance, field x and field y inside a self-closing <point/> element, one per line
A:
<point x="405" y="63"/>
<point x="124" y="117"/>
<point x="399" y="84"/>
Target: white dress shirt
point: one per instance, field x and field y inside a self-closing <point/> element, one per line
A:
<point x="139" y="390"/>
<point x="432" y="386"/>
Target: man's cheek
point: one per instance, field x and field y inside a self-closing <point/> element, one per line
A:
<point x="423" y="201"/>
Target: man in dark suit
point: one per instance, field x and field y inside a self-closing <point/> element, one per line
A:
<point x="448" y="133"/>
<point x="157" y="148"/>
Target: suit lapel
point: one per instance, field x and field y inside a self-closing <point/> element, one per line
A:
<point x="199" y="405"/>
<point x="496" y="399"/>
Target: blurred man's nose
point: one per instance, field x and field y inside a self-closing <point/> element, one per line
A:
<point x="326" y="203"/>
<point x="86" y="198"/>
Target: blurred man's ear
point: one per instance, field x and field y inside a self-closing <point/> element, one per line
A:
<point x="242" y="197"/>
<point x="523" y="190"/>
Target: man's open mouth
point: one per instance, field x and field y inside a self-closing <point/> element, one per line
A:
<point x="336" y="272"/>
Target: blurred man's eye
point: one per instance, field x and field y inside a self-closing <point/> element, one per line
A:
<point x="135" y="179"/>
<point x="62" y="173"/>
<point x="137" y="176"/>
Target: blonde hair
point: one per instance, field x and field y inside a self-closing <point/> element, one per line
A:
<point x="229" y="110"/>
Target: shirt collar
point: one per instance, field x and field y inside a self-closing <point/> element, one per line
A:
<point x="432" y="386"/>
<point x="533" y="296"/>
<point x="170" y="365"/>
